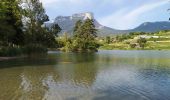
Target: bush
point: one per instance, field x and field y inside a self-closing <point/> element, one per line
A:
<point x="133" y="45"/>
<point x="34" y="49"/>
<point x="10" y="51"/>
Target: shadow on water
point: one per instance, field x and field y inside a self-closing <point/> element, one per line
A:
<point x="78" y="67"/>
<point x="29" y="61"/>
<point x="76" y="57"/>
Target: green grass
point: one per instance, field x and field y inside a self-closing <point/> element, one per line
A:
<point x="158" y="45"/>
<point x="149" y="46"/>
<point x="159" y="39"/>
<point x="115" y="46"/>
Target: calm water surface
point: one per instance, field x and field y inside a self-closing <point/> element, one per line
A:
<point x="106" y="75"/>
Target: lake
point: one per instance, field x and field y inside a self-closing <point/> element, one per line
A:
<point x="105" y="75"/>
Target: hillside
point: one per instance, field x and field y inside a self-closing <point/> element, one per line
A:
<point x="152" y="26"/>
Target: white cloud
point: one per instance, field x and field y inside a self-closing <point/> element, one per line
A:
<point x="48" y="2"/>
<point x="144" y="8"/>
<point x="55" y="3"/>
<point x="124" y="19"/>
<point x="119" y="14"/>
<point x="82" y="3"/>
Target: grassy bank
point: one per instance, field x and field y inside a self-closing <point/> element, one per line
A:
<point x="149" y="46"/>
<point x="137" y="41"/>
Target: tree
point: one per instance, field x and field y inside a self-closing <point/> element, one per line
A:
<point x="22" y="26"/>
<point x="55" y="29"/>
<point x="36" y="16"/>
<point x="77" y="28"/>
<point x="141" y="42"/>
<point x="85" y="34"/>
<point x="11" y="23"/>
<point x="67" y="42"/>
<point x="108" y="40"/>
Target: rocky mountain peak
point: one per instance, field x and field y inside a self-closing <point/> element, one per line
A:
<point x="78" y="16"/>
<point x="83" y="15"/>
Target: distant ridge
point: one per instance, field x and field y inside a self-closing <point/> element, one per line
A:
<point x="153" y="26"/>
<point x="67" y="24"/>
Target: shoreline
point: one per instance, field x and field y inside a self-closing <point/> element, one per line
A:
<point x="9" y="58"/>
<point x="16" y="57"/>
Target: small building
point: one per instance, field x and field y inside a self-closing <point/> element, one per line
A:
<point x="146" y="37"/>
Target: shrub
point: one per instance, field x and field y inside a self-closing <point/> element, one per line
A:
<point x="34" y="49"/>
<point x="10" y="51"/>
<point x="133" y="45"/>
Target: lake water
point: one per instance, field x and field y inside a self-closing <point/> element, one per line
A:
<point x="106" y="75"/>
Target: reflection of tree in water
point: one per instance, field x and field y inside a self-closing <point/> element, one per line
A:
<point x="23" y="77"/>
<point x="75" y="57"/>
<point x="76" y="72"/>
<point x="78" y="67"/>
<point x="31" y="61"/>
<point x="85" y="74"/>
<point x="35" y="78"/>
<point x="9" y="84"/>
<point x="32" y="82"/>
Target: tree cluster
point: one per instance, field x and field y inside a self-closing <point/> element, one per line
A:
<point x="84" y="36"/>
<point x="11" y="23"/>
<point x="22" y="25"/>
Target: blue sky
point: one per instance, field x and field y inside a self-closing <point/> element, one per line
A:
<point x="118" y="14"/>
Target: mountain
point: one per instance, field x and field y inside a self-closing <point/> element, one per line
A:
<point x="67" y="24"/>
<point x="152" y="26"/>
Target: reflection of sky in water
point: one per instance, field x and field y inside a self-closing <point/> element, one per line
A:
<point x="106" y="75"/>
<point x="133" y="83"/>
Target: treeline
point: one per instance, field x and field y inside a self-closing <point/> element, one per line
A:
<point x="21" y="28"/>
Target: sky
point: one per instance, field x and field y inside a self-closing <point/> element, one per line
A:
<point x="117" y="14"/>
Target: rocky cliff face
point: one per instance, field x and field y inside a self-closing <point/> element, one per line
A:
<point x="73" y="19"/>
<point x="83" y="16"/>
<point x="67" y="23"/>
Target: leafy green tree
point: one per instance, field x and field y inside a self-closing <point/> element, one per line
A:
<point x="56" y="29"/>
<point x="77" y="27"/>
<point x="11" y="23"/>
<point x="108" y="39"/>
<point x="132" y="45"/>
<point x="85" y="34"/>
<point x="67" y="43"/>
<point x="141" y="42"/>
<point x="22" y="26"/>
<point x="36" y="16"/>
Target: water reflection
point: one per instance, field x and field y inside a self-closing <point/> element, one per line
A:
<point x="31" y="61"/>
<point x="106" y="75"/>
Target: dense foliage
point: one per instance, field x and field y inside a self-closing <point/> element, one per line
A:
<point x="83" y="39"/>
<point x="84" y="36"/>
<point x="11" y="23"/>
<point x="22" y="26"/>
